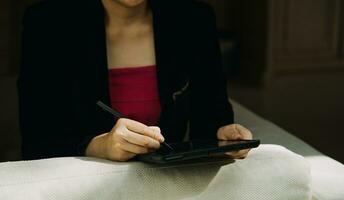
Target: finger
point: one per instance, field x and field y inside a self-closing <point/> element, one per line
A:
<point x="158" y="131"/>
<point x="234" y="132"/>
<point x="141" y="140"/>
<point x="133" y="148"/>
<point x="243" y="132"/>
<point x="229" y="133"/>
<point x="143" y="129"/>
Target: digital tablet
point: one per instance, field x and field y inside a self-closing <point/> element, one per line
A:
<point x="196" y="149"/>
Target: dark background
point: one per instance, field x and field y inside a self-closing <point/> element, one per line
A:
<point x="284" y="60"/>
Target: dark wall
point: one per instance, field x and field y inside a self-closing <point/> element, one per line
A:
<point x="10" y="29"/>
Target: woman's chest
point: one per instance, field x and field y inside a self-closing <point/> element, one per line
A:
<point x="130" y="49"/>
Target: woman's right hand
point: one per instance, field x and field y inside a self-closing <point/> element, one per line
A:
<point x="127" y="139"/>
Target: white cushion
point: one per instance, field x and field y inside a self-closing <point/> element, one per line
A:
<point x="327" y="180"/>
<point x="270" y="172"/>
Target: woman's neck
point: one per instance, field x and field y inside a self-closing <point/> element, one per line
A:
<point x="119" y="14"/>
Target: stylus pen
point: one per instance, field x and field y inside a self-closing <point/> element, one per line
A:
<point x="119" y="115"/>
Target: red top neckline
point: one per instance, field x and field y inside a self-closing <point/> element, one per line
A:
<point x="140" y="69"/>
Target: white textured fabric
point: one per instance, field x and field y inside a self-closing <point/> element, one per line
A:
<point x="327" y="174"/>
<point x="270" y="172"/>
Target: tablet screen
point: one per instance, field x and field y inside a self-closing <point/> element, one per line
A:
<point x="196" y="145"/>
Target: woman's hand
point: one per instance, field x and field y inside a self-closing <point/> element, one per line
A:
<point x="127" y="139"/>
<point x="235" y="132"/>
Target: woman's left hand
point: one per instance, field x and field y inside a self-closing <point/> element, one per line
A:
<point x="235" y="132"/>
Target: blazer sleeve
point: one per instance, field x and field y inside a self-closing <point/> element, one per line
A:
<point x="46" y="114"/>
<point x="210" y="108"/>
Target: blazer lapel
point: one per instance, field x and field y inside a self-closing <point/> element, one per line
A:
<point x="165" y="70"/>
<point x="95" y="76"/>
<point x="92" y="73"/>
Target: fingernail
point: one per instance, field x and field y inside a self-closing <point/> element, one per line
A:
<point x="160" y="137"/>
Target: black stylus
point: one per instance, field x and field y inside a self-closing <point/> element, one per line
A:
<point x="119" y="115"/>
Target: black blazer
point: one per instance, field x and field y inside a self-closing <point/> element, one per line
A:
<point x="64" y="74"/>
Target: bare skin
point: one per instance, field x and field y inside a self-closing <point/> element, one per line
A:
<point x="130" y="43"/>
<point x="127" y="139"/>
<point x="129" y="30"/>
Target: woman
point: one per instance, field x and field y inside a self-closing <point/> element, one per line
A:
<point x="157" y="62"/>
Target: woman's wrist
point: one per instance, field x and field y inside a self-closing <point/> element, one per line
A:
<point x="97" y="147"/>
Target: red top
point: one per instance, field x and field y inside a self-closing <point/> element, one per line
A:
<point x="134" y="93"/>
